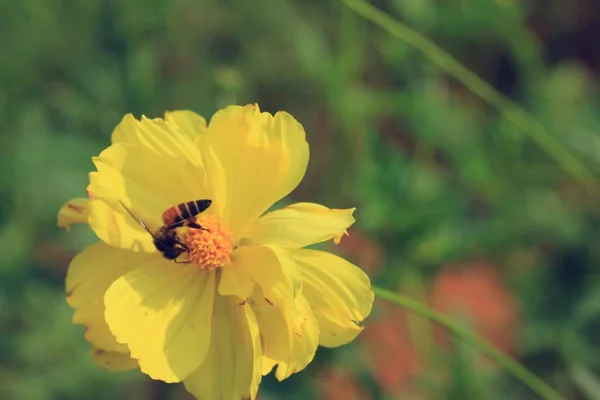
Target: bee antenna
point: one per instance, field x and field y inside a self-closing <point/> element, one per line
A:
<point x="137" y="219"/>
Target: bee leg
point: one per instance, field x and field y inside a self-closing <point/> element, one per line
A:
<point x="186" y="249"/>
<point x="184" y="246"/>
<point x="194" y="225"/>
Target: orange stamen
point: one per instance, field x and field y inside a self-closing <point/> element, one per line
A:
<point x="210" y="248"/>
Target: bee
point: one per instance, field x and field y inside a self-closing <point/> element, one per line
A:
<point x="165" y="238"/>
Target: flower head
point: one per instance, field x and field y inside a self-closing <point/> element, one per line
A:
<point x="243" y="295"/>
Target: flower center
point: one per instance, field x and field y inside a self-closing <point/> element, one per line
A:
<point x="209" y="248"/>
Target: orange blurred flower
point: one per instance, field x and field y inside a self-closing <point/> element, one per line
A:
<point x="474" y="291"/>
<point x="478" y="292"/>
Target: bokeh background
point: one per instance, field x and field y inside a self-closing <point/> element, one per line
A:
<point x="456" y="205"/>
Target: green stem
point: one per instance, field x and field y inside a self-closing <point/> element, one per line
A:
<point x="510" y="110"/>
<point x="536" y="384"/>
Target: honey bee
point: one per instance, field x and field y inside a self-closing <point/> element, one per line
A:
<point x="165" y="238"/>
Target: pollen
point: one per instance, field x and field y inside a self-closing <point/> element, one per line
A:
<point x="211" y="246"/>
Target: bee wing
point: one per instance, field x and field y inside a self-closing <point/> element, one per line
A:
<point x="137" y="216"/>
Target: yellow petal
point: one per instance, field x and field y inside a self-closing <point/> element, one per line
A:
<point x="339" y="293"/>
<point x="289" y="335"/>
<point x="158" y="136"/>
<point x="305" y="340"/>
<point x="162" y="311"/>
<point x="300" y="225"/>
<point x="276" y="329"/>
<point x="90" y="274"/>
<point x="233" y="283"/>
<point x="145" y="181"/>
<point x="264" y="158"/>
<point x="217" y="186"/>
<point x="267" y="364"/>
<point x="113" y="361"/>
<point x="278" y="286"/>
<point x="232" y="367"/>
<point x="75" y="211"/>
<point x="273" y="269"/>
<point x="281" y="311"/>
<point x="189" y="122"/>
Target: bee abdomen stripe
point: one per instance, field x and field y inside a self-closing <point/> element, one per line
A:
<point x="175" y="215"/>
<point x="192" y="208"/>
<point x="184" y="213"/>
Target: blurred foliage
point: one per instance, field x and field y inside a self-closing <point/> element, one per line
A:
<point x="437" y="176"/>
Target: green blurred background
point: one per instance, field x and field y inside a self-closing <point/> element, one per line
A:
<point x="456" y="205"/>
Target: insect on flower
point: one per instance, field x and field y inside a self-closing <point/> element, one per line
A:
<point x="165" y="238"/>
<point x="212" y="328"/>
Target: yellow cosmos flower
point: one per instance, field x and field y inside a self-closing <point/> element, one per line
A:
<point x="245" y="295"/>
